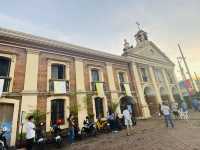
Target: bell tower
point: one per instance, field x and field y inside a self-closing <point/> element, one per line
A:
<point x="141" y="35"/>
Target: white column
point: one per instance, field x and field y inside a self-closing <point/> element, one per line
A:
<point x="29" y="94"/>
<point x="111" y="82"/>
<point x="145" y="109"/>
<point x="80" y="89"/>
<point x="29" y="97"/>
<point x="168" y="86"/>
<point x="152" y="74"/>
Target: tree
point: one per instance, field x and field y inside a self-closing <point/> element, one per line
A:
<point x="38" y="116"/>
<point x="113" y="106"/>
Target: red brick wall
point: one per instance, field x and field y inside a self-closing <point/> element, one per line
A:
<point x="42" y="78"/>
<point x="42" y="72"/>
<point x="20" y="66"/>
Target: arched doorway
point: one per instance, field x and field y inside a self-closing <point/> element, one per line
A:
<point x="150" y="98"/>
<point x="128" y="102"/>
<point x="176" y="94"/>
<point x="164" y="95"/>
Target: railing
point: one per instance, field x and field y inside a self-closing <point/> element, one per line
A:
<point x="51" y="84"/>
<point x="94" y="88"/>
<point x="6" y="85"/>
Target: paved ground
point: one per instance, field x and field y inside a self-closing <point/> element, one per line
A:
<point x="148" y="135"/>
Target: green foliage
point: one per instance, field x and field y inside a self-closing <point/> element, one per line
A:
<point x="87" y="100"/>
<point x="38" y="116"/>
<point x="89" y="106"/>
<point x="74" y="108"/>
<point x="18" y="138"/>
<point x="113" y="106"/>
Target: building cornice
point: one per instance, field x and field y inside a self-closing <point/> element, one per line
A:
<point x="44" y="44"/>
<point x="38" y="42"/>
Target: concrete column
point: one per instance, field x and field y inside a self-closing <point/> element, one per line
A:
<point x="167" y="85"/>
<point x="111" y="82"/>
<point x="80" y="89"/>
<point x="145" y="109"/>
<point x="29" y="96"/>
<point x="152" y="74"/>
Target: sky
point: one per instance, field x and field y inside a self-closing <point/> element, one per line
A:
<point x="103" y="24"/>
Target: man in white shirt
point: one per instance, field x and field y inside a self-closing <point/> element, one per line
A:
<point x="30" y="133"/>
<point x="128" y="120"/>
<point x="167" y="115"/>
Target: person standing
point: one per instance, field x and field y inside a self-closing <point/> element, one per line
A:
<point x="167" y="114"/>
<point x="127" y="120"/>
<point x="184" y="110"/>
<point x="30" y="133"/>
<point x="175" y="110"/>
<point x="71" y="133"/>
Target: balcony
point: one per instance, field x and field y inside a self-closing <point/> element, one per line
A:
<point x="94" y="88"/>
<point x="63" y="83"/>
<point x="6" y="85"/>
<point x="122" y="87"/>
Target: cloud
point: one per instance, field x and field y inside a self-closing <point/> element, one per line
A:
<point x="13" y="23"/>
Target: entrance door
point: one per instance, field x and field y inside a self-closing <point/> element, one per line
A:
<point x="6" y="117"/>
<point x="99" y="107"/>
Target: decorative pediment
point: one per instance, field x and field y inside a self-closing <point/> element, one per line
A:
<point x="151" y="51"/>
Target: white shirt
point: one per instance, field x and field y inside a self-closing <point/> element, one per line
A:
<point x="165" y="109"/>
<point x="126" y="114"/>
<point x="175" y="107"/>
<point x="30" y="130"/>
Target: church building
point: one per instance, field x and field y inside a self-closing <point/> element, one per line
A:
<point x="59" y="78"/>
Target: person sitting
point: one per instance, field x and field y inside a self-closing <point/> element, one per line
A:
<point x="110" y="119"/>
<point x="118" y="122"/>
<point x="86" y="122"/>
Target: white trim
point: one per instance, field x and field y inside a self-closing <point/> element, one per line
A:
<point x="12" y="68"/>
<point x="48" y="111"/>
<point x="50" y="62"/>
<point x="100" y="72"/>
<point x="15" y="117"/>
<point x="125" y="77"/>
<point x="105" y="106"/>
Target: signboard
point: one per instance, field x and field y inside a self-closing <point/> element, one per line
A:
<point x="60" y="87"/>
<point x="127" y="89"/>
<point x="100" y="90"/>
<point x="1" y="86"/>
